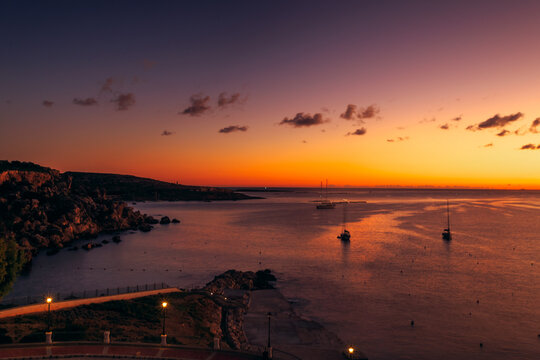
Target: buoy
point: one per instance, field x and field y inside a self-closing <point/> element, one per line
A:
<point x="412" y="323"/>
<point x="478" y="301"/>
<point x="481" y="345"/>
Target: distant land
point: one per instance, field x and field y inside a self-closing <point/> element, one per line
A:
<point x="42" y="208"/>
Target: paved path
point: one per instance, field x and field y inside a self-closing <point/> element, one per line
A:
<point x="37" y="308"/>
<point x="67" y="350"/>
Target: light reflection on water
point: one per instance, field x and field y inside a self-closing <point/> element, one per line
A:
<point x="395" y="269"/>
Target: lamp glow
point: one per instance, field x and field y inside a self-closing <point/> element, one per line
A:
<point x="351" y="350"/>
<point x="49" y="300"/>
<point x="164" y="304"/>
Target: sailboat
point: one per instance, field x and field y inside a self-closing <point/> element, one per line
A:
<point x="345" y="234"/>
<point x="446" y="234"/>
<point x="325" y="204"/>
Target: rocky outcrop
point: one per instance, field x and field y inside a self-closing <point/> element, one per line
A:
<point x="41" y="208"/>
<point x="234" y="309"/>
<point x="244" y="280"/>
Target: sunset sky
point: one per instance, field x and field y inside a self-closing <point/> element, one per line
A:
<point x="275" y="93"/>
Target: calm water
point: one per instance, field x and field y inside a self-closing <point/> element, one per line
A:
<point x="395" y="269"/>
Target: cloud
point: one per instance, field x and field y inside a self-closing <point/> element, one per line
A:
<point x="167" y="133"/>
<point x="496" y="121"/>
<point x="369" y="112"/>
<point x="427" y="120"/>
<point x="534" y="126"/>
<point x="488" y="145"/>
<point x="303" y="120"/>
<point x="304" y="141"/>
<point x="124" y="101"/>
<point x="361" y="131"/>
<point x="353" y="112"/>
<point x="85" y="102"/>
<point x="107" y="85"/>
<point x="458" y="118"/>
<point x="199" y="105"/>
<point x="444" y="127"/>
<point x="233" y="128"/>
<point x="399" y="138"/>
<point x="530" y="147"/>
<point x="47" y="103"/>
<point x="503" y="133"/>
<point x="350" y="112"/>
<point x="223" y="100"/>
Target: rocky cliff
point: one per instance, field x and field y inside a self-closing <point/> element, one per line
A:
<point x="41" y="208"/>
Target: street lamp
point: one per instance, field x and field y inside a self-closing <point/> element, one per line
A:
<point x="164" y="306"/>
<point x="49" y="301"/>
<point x="269" y="347"/>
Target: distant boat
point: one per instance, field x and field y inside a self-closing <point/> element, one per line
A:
<point x="446" y="234"/>
<point x="345" y="234"/>
<point x="325" y="204"/>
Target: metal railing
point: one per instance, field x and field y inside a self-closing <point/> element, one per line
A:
<point x="85" y="294"/>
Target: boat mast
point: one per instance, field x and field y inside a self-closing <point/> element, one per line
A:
<point x="448" y="214"/>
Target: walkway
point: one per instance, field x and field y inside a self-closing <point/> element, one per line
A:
<point x="94" y="350"/>
<point x="37" y="308"/>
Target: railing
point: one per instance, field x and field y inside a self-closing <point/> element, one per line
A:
<point x="35" y="299"/>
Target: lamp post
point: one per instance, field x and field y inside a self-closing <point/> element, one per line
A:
<point x="269" y="347"/>
<point x="48" y="333"/>
<point x="163" y="335"/>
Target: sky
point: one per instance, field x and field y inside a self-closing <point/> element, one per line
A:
<point x="275" y="93"/>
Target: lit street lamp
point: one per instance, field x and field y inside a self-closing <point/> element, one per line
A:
<point x="49" y="301"/>
<point x="164" y="306"/>
<point x="163" y="335"/>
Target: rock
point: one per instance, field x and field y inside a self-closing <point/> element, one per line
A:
<point x="145" y="227"/>
<point x="105" y="241"/>
<point x="150" y="220"/>
<point x="175" y="221"/>
<point x="116" y="238"/>
<point x="165" y="220"/>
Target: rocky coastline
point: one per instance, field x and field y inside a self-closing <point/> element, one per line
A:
<point x="42" y="208"/>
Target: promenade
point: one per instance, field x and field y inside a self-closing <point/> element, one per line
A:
<point x="65" y="304"/>
<point x="106" y="351"/>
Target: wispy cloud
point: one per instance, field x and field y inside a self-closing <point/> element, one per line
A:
<point x="444" y="127"/>
<point x="85" y="102"/>
<point x="458" y="118"/>
<point x="496" y="121"/>
<point x="350" y="112"/>
<point x="303" y="120"/>
<point x="233" y="128"/>
<point x="534" y="126"/>
<point x="106" y="87"/>
<point x="399" y="138"/>
<point x="530" y="147"/>
<point x="167" y="133"/>
<point x="488" y="145"/>
<point x="361" y="131"/>
<point x="124" y="101"/>
<point x="199" y="105"/>
<point x="368" y="112"/>
<point x="223" y="100"/>
<point x="353" y="112"/>
<point x="426" y="120"/>
<point x="47" y="103"/>
<point x="503" y="133"/>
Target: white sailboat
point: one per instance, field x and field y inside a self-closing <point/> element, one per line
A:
<point x="345" y="234"/>
<point x="325" y="204"/>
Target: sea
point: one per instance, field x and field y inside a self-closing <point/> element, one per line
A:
<point x="474" y="297"/>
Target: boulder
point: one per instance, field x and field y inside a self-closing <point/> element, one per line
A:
<point x="175" y="221"/>
<point x="165" y="220"/>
